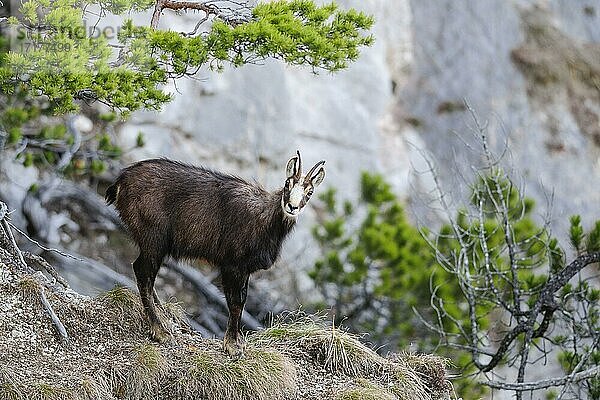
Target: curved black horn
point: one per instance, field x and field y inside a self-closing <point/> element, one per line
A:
<point x="299" y="165"/>
<point x="313" y="169"/>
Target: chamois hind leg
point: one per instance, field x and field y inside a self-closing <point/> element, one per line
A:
<point x="235" y="287"/>
<point x="145" y="269"/>
<point x="244" y="296"/>
<point x="157" y="301"/>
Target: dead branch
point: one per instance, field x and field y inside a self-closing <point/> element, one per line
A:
<point x="7" y="233"/>
<point x="66" y="157"/>
<point x="66" y="196"/>
<point x="210" y="8"/>
<point x="90" y="271"/>
<point x="546" y="383"/>
<point x="104" y="277"/>
<point x="45" y="248"/>
<point x="55" y="320"/>
<point x="489" y="262"/>
<point x="47" y="267"/>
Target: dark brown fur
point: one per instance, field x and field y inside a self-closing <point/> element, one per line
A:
<point x="183" y="211"/>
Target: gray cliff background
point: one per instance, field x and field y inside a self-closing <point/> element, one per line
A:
<point x="531" y="69"/>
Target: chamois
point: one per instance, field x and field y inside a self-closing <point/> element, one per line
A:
<point x="189" y="212"/>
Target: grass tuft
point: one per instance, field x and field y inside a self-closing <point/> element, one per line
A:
<point x="120" y="298"/>
<point x="430" y="369"/>
<point x="94" y="389"/>
<point x="148" y="359"/>
<point x="10" y="391"/>
<point x="362" y="389"/>
<point x="45" y="391"/>
<point x="333" y="348"/>
<point x="172" y="314"/>
<point x="406" y="384"/>
<point x="148" y="367"/>
<point x="8" y="388"/>
<point x="29" y="288"/>
<point x="124" y="307"/>
<point x="260" y="374"/>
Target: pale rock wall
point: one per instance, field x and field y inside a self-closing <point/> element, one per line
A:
<point x="404" y="91"/>
<point x="462" y="50"/>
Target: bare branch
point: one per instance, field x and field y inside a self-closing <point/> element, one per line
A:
<point x="49" y="268"/>
<point x="4" y="225"/>
<point x="546" y="383"/>
<point x="227" y="14"/>
<point x="5" y="229"/>
<point x="41" y="246"/>
<point x="55" y="320"/>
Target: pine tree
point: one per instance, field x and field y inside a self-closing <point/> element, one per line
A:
<point x="53" y="62"/>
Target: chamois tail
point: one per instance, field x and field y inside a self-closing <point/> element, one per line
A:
<point x="111" y="193"/>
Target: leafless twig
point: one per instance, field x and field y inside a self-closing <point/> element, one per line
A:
<point x="545" y="383"/>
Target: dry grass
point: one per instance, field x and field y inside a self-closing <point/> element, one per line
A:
<point x="93" y="389"/>
<point x="146" y="372"/>
<point x="122" y="304"/>
<point x="29" y="288"/>
<point x="335" y="349"/>
<point x="37" y="391"/>
<point x="404" y="376"/>
<point x="363" y="389"/>
<point x="8" y="387"/>
<point x="261" y="374"/>
<point x="430" y="369"/>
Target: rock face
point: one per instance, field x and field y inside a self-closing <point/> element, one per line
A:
<point x="530" y="69"/>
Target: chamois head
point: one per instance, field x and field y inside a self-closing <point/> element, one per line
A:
<point x="298" y="189"/>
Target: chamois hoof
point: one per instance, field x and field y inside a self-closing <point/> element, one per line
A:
<point x="159" y="334"/>
<point x="233" y="347"/>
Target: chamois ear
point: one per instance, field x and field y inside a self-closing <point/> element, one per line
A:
<point x="294" y="167"/>
<point x="316" y="174"/>
<point x="318" y="177"/>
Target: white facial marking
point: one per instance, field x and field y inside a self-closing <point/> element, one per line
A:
<point x="285" y="210"/>
<point x="296" y="196"/>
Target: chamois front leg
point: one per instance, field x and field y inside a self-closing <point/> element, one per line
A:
<point x="235" y="286"/>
